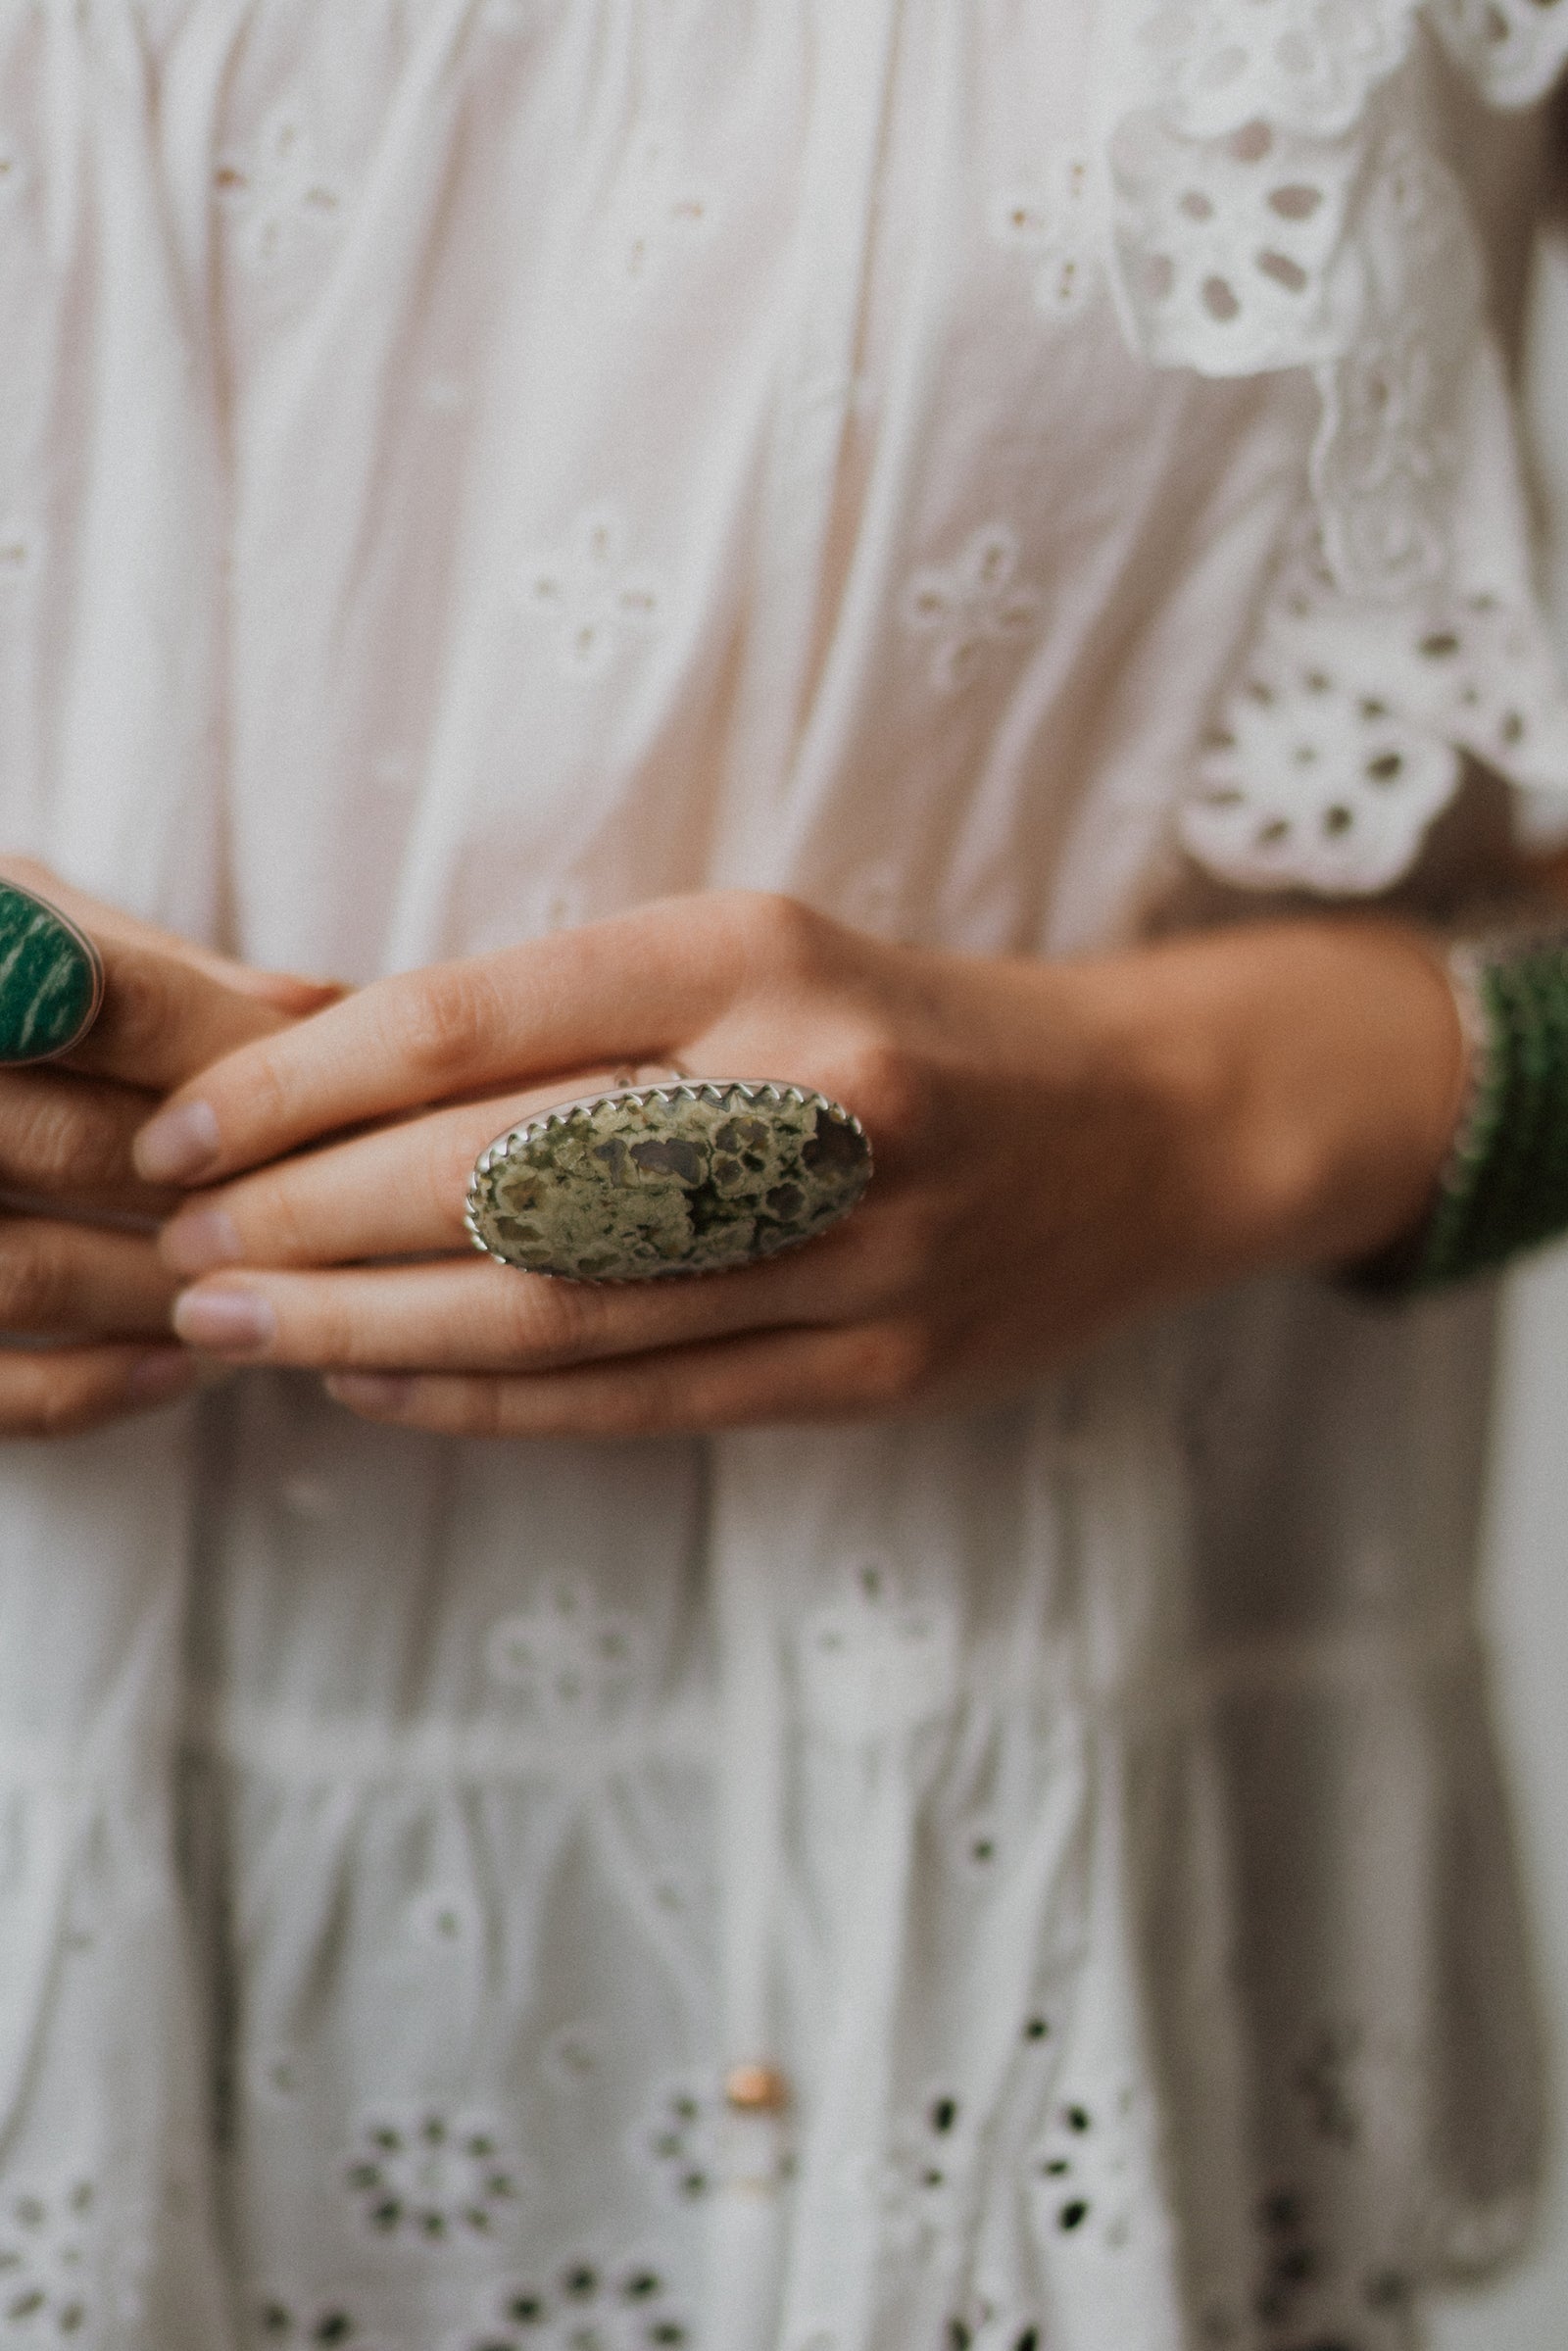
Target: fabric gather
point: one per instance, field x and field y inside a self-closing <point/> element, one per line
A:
<point x="1274" y="201"/>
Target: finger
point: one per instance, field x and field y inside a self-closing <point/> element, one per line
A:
<point x="625" y="989"/>
<point x="67" y="1141"/>
<point x="69" y="1276"/>
<point x="398" y="1192"/>
<point x="62" y="1391"/>
<point x="164" y="1017"/>
<point x="774" y="1378"/>
<point x="288" y="991"/>
<point x="464" y="1314"/>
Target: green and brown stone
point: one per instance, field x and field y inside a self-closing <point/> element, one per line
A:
<point x="51" y="979"/>
<point x="668" y="1179"/>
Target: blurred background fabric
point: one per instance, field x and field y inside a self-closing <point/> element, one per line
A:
<point x="1527" y="1533"/>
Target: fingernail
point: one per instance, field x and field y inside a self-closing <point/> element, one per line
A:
<point x="155" y="1378"/>
<point x="233" y="1322"/>
<point x="198" y="1238"/>
<point x="178" y="1145"/>
<point x="370" y="1391"/>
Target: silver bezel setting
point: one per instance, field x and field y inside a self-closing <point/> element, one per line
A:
<point x="754" y="1093"/>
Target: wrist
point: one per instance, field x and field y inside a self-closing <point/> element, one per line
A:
<point x="1312" y="1075"/>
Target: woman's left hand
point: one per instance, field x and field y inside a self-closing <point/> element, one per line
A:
<point x="1057" y="1148"/>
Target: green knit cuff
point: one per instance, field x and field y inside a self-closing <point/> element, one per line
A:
<point x="1505" y="1186"/>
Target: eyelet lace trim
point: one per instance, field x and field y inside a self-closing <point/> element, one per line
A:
<point x="1271" y="203"/>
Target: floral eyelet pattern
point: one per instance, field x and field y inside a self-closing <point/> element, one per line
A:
<point x="45" y="2263"/>
<point x="432" y="2179"/>
<point x="585" y="2305"/>
<point x="283" y="2321"/>
<point x="278" y="196"/>
<point x="589" y="595"/>
<point x="567" y="1659"/>
<point x="971" y="605"/>
<point x="660" y="210"/>
<point x="1084" y="2173"/>
<point x="928" y="2178"/>
<point x="679" y="2141"/>
<point x="1275" y="202"/>
<point x="1057" y="228"/>
<point x="874" y="1659"/>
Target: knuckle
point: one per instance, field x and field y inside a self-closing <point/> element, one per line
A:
<point x="28" y="874"/>
<point x="141" y="1009"/>
<point x="772" y="935"/>
<point x="895" y="1365"/>
<point x="631" y="1405"/>
<point x="328" y="1333"/>
<point x="268" y="1107"/>
<point x="54" y="1402"/>
<point x="883" y="1082"/>
<point x="277" y="1228"/>
<point x="546" y="1321"/>
<point x="55" y="1135"/>
<point x="447" y="1023"/>
<point x="35" y="1286"/>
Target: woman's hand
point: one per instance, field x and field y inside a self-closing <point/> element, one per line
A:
<point x="82" y="1284"/>
<point x="1056" y="1148"/>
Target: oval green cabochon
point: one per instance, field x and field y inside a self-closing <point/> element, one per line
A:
<point x="51" y="979"/>
<point x="668" y="1179"/>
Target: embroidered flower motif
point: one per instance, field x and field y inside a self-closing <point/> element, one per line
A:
<point x="590" y="595"/>
<point x="1056" y="229"/>
<point x="432" y="2179"/>
<point x="280" y="2320"/>
<point x="1308" y="780"/>
<point x="927" y="2180"/>
<point x="659" y="210"/>
<point x="567" y="1660"/>
<point x="1232" y="250"/>
<point x="873" y="1663"/>
<point x="276" y="194"/>
<point x="44" y="2261"/>
<point x="1302" y="2284"/>
<point x="1309" y="63"/>
<point x="1084" y="2168"/>
<point x="585" y="2306"/>
<point x="679" y="2139"/>
<point x="986" y="2324"/>
<point x="1337" y="748"/>
<point x="971" y="603"/>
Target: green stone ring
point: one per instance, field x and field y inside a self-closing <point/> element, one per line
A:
<point x="51" y="979"/>
<point x="685" y="1178"/>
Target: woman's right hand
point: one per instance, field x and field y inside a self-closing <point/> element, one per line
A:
<point x="84" y="1297"/>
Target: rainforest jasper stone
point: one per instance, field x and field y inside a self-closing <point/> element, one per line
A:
<point x="668" y="1179"/>
<point x="51" y="979"/>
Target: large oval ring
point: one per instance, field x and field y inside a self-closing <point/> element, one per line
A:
<point x="648" y="1180"/>
<point x="51" y="979"/>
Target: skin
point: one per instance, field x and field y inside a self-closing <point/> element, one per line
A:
<point x="1059" y="1149"/>
<point x="81" y="1281"/>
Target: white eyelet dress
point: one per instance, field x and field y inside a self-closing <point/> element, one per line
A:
<point x="470" y="466"/>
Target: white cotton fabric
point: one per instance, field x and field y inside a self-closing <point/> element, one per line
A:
<point x="465" y="466"/>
